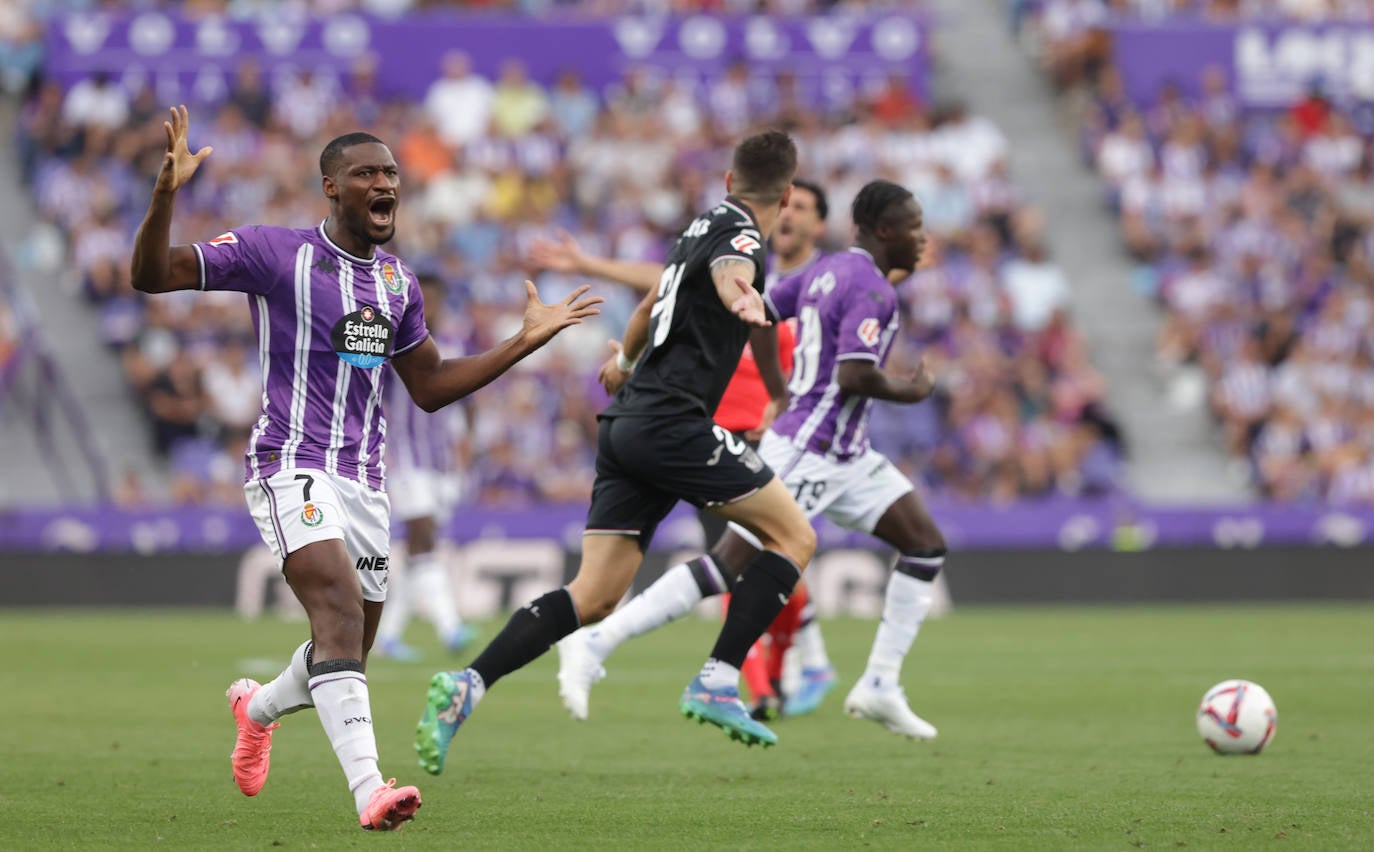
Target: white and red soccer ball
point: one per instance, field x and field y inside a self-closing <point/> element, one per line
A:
<point x="1237" y="717"/>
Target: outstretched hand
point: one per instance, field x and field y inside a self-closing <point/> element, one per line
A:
<point x="749" y="306"/>
<point x="543" y="321"/>
<point x="561" y="254"/>
<point x="922" y="381"/>
<point x="179" y="163"/>
<point x="771" y="411"/>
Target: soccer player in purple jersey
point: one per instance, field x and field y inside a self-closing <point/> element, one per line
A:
<point x="330" y="309"/>
<point x="424" y="485"/>
<point x="847" y="315"/>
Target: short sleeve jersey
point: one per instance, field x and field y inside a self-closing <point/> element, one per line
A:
<point x="845" y="309"/>
<point x="326" y="322"/>
<point x="694" y="340"/>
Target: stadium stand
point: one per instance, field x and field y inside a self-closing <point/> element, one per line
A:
<point x="1252" y="230"/>
<point x="489" y="165"/>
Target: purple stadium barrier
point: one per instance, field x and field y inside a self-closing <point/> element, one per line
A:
<point x="1269" y="65"/>
<point x="195" y="60"/>
<point x="1046" y="525"/>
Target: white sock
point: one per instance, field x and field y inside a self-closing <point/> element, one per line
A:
<point x="718" y="675"/>
<point x="342" y="702"/>
<point x="904" y="608"/>
<point x="285" y="693"/>
<point x="396" y="612"/>
<point x="429" y="588"/>
<point x="808" y="641"/>
<point x="670" y="597"/>
<point x="400" y="600"/>
<point x="477" y="688"/>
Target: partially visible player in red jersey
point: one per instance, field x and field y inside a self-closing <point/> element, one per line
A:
<point x="745" y="412"/>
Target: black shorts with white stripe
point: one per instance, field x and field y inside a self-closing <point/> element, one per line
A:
<point x="644" y="465"/>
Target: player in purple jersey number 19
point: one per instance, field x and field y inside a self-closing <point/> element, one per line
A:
<point x="330" y="309"/>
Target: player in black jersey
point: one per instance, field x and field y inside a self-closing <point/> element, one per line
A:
<point x="657" y="445"/>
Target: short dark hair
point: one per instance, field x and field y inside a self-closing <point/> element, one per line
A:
<point x="763" y="166"/>
<point x="333" y="152"/>
<point x="822" y="205"/>
<point x="875" y="200"/>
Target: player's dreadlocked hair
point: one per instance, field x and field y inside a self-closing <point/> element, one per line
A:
<point x="763" y="167"/>
<point x="874" y="201"/>
<point x="333" y="152"/>
<point x="822" y="205"/>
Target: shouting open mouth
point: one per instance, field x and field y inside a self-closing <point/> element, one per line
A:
<point x="382" y="211"/>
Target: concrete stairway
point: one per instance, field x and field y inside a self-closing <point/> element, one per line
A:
<point x="1175" y="455"/>
<point x="71" y="337"/>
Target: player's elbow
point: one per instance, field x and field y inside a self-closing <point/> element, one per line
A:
<point x="429" y="403"/>
<point x="855" y="382"/>
<point x="140" y="279"/>
<point x="147" y="277"/>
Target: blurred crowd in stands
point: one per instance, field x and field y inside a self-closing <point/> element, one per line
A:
<point x="488" y="166"/>
<point x="1254" y="231"/>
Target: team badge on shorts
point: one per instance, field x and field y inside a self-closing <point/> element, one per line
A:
<point x="391" y="279"/>
<point x="312" y="515"/>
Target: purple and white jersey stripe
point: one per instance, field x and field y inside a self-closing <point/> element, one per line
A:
<point x="326" y="322"/>
<point x="845" y="309"/>
<point x="417" y="439"/>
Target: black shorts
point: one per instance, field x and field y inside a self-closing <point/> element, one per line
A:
<point x="645" y="465"/>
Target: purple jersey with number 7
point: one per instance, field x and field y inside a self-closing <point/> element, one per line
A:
<point x="326" y="322"/>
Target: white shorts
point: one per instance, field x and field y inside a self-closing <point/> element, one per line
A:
<point x="853" y="494"/>
<point x="419" y="493"/>
<point x="293" y="508"/>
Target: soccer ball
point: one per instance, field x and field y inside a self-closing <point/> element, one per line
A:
<point x="1237" y="717"/>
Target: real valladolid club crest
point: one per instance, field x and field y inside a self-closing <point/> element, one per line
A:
<point x="392" y="280"/>
<point x="311" y="515"/>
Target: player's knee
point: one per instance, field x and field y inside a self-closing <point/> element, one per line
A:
<point x="930" y="539"/>
<point x="732" y="553"/>
<point x="799" y="544"/>
<point x="593" y="605"/>
<point x="918" y="539"/>
<point x="331" y="597"/>
<point x="596" y="610"/>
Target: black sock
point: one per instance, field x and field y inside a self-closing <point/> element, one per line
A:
<point x="760" y="594"/>
<point x="532" y="630"/>
<point x="317" y="668"/>
<point x="921" y="564"/>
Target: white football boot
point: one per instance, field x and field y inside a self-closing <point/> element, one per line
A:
<point x="887" y="706"/>
<point x="578" y="669"/>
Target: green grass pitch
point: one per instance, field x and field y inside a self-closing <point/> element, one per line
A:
<point x="1059" y="728"/>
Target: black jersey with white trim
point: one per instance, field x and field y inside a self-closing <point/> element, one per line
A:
<point x="694" y="340"/>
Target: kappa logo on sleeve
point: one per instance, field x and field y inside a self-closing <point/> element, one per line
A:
<point x="745" y="243"/>
<point x="869" y="331"/>
<point x="226" y="238"/>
